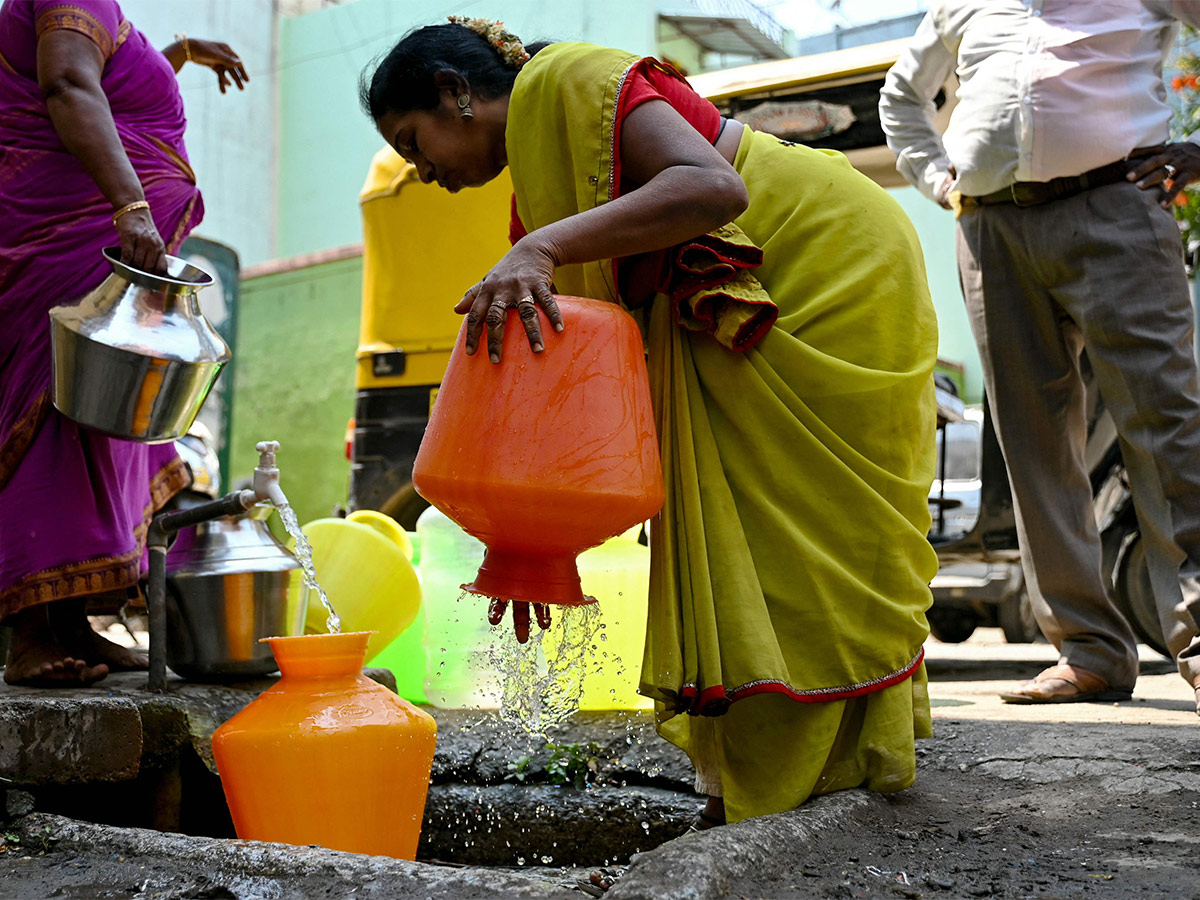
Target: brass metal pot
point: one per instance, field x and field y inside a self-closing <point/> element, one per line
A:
<point x="135" y="358"/>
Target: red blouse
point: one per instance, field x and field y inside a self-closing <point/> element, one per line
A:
<point x="649" y="79"/>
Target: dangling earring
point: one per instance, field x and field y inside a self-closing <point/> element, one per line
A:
<point x="464" y="105"/>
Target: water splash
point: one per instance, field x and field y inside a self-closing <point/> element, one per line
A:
<point x="304" y="554"/>
<point x="542" y="679"/>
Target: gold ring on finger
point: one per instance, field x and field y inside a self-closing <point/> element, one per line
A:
<point x="528" y="298"/>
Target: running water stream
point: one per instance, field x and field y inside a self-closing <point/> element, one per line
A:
<point x="304" y="555"/>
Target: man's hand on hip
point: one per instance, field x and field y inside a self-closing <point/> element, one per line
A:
<point x="943" y="191"/>
<point x="1169" y="171"/>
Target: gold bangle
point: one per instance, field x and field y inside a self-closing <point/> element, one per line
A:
<point x="129" y="207"/>
<point x="187" y="50"/>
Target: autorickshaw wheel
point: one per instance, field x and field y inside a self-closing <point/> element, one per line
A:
<point x="1014" y="615"/>
<point x="1134" y="596"/>
<point x="405" y="506"/>
<point x="951" y="625"/>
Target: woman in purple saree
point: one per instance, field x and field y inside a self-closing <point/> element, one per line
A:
<point x="91" y="155"/>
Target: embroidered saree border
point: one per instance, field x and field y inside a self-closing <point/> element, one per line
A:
<point x="100" y="574"/>
<point x="75" y="18"/>
<point x="179" y="161"/>
<point x="123" y="32"/>
<point x="15" y="445"/>
<point x="181" y="228"/>
<point x="715" y="700"/>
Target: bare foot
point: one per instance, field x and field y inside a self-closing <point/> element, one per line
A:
<point x="36" y="658"/>
<point x="68" y="619"/>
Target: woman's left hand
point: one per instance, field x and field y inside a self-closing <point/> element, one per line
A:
<point x="520" y="617"/>
<point x="221" y="59"/>
<point x="521" y="279"/>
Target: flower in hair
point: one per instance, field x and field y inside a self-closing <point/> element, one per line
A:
<point x="507" y="44"/>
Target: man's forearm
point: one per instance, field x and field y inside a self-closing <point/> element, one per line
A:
<point x="906" y="109"/>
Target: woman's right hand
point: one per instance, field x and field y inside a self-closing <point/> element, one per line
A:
<point x="141" y="246"/>
<point x="221" y="59"/>
<point x="522" y="281"/>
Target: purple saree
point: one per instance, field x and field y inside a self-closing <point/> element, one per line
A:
<point x="74" y="504"/>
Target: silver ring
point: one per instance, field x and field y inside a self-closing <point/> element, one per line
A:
<point x="1171" y="170"/>
<point x="528" y="298"/>
<point x="501" y="304"/>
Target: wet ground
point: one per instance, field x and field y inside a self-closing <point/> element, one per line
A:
<point x="1084" y="801"/>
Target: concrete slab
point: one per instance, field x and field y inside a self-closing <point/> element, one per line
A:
<point x="112" y="730"/>
<point x="65" y="740"/>
<point x="500" y="796"/>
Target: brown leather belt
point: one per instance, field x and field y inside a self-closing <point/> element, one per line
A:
<point x="1034" y="193"/>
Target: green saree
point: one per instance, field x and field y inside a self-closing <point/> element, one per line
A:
<point x="790" y="566"/>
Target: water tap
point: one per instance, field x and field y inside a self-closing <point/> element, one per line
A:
<point x="266" y="474"/>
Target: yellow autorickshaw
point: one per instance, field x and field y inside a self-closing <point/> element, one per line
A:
<point x="422" y="249"/>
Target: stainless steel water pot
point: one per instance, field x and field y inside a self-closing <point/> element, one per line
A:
<point x="227" y="587"/>
<point x="136" y="358"/>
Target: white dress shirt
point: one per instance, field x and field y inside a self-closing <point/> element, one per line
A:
<point x="1047" y="88"/>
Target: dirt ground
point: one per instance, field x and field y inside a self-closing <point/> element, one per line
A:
<point x="962" y="835"/>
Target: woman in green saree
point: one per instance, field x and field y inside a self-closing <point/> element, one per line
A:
<point x="791" y="342"/>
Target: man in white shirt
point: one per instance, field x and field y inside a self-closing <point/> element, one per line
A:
<point x="1057" y="164"/>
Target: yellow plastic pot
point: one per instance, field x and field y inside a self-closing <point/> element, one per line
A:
<point x="385" y="525"/>
<point x="366" y="576"/>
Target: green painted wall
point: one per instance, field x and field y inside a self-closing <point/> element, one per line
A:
<point x="294" y="381"/>
<point x="325" y="141"/>
<point x="935" y="228"/>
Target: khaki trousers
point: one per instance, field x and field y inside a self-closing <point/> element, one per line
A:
<point x="1102" y="272"/>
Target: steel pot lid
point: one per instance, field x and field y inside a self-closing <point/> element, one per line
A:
<point x="226" y="547"/>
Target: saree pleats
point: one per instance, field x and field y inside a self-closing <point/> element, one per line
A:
<point x="790" y="565"/>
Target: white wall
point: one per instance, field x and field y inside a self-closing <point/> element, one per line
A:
<point x="231" y="138"/>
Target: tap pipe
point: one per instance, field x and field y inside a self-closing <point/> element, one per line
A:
<point x="158" y="537"/>
<point x="156" y="608"/>
<point x="232" y="504"/>
<point x="266" y="474"/>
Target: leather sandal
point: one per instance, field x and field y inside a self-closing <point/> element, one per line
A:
<point x="1064" y="684"/>
<point x="600" y="880"/>
<point x="703" y="822"/>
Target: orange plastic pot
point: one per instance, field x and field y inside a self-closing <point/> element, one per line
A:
<point x="327" y="756"/>
<point x="545" y="454"/>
